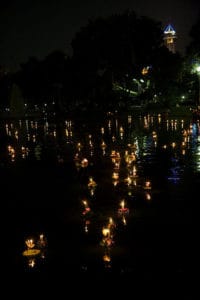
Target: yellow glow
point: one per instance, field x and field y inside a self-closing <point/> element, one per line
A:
<point x="85" y="202"/>
<point x="124" y="220"/>
<point x="31" y="252"/>
<point x="84" y="163"/>
<point x="106" y="231"/>
<point x="111" y="221"/>
<point x="115" y="176"/>
<point x="30" y="243"/>
<point x="103" y="145"/>
<point x="173" y="145"/>
<point x="106" y="258"/>
<point x="31" y="263"/>
<point x="91" y="182"/>
<point x="145" y="70"/>
<point x="148" y="196"/>
<point x="147" y="185"/>
<point x="122" y="204"/>
<point x="102" y="130"/>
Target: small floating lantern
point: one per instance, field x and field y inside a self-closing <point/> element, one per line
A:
<point x="103" y="145"/>
<point x="148" y="196"/>
<point x="79" y="146"/>
<point x="128" y="180"/>
<point x="30" y="251"/>
<point x="106" y="258"/>
<point x="84" y="163"/>
<point x="147" y="185"/>
<point x="115" y="175"/>
<point x="91" y="183"/>
<point x="87" y="208"/>
<point x="106" y="231"/>
<point x="42" y="242"/>
<point x="173" y="145"/>
<point x="86" y="226"/>
<point x="124" y="220"/>
<point x="123" y="209"/>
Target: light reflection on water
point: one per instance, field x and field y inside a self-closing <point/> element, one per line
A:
<point x="124" y="169"/>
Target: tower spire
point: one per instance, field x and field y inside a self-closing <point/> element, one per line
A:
<point x="170" y="38"/>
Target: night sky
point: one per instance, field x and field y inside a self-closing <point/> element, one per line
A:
<point x="37" y="27"/>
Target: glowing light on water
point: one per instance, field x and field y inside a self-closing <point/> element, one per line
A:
<point x="182" y="124"/>
<point x="183" y="152"/>
<point x="146" y="124"/>
<point x="121" y="166"/>
<point x="148" y="196"/>
<point x="147" y="185"/>
<point x="103" y="145"/>
<point x="67" y="132"/>
<point x="167" y="125"/>
<point x="154" y="135"/>
<point x="36" y="249"/>
<point x="115" y="175"/>
<point x="111" y="224"/>
<point x="102" y="130"/>
<point x="106" y="258"/>
<point x="25" y="152"/>
<point x="106" y="231"/>
<point x="198" y="158"/>
<point x="34" y="138"/>
<point x="109" y="125"/>
<point x="128" y="180"/>
<point x="123" y="209"/>
<point x="42" y="242"/>
<point x="11" y="153"/>
<point x="121" y="130"/>
<point x="26" y="123"/>
<point x="173" y="145"/>
<point x="84" y="163"/>
<point x="134" y="172"/>
<point x="7" y="129"/>
<point x="91" y="183"/>
<point x="124" y="220"/>
<point x="79" y="146"/>
<point x="86" y="208"/>
<point x="31" y="262"/>
<point x="16" y="135"/>
<point x="113" y="138"/>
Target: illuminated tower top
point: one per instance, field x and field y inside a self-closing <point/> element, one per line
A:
<point x="170" y="37"/>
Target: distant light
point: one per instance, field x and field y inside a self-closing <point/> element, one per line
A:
<point x="198" y="69"/>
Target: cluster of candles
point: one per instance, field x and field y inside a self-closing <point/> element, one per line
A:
<point x="35" y="249"/>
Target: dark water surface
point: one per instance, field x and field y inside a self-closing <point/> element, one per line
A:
<point x="45" y="186"/>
